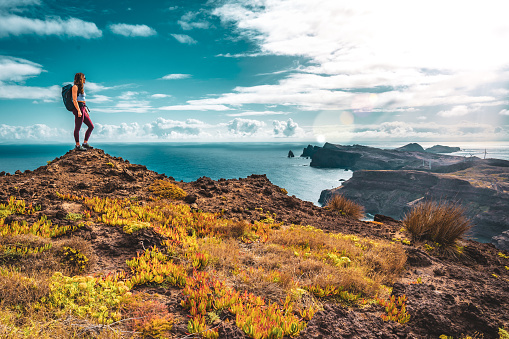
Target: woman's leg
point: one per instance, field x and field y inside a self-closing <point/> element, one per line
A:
<point x="77" y="126"/>
<point x="89" y="123"/>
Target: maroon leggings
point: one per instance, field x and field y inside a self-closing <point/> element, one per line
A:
<point x="85" y="118"/>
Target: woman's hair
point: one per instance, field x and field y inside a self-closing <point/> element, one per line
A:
<point x="78" y="81"/>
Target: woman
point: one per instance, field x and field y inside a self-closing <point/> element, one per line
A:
<point x="80" y="112"/>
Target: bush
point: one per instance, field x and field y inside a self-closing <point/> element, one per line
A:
<point x="440" y="222"/>
<point x="166" y="189"/>
<point x="345" y="206"/>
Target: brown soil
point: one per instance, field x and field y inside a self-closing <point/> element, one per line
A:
<point x="460" y="294"/>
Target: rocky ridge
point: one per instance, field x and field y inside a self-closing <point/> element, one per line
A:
<point x="458" y="295"/>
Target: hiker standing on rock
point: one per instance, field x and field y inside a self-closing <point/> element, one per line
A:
<point x="80" y="111"/>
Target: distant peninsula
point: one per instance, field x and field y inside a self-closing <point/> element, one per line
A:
<point x="358" y="157"/>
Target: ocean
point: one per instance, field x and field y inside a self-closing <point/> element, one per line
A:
<point x="190" y="161"/>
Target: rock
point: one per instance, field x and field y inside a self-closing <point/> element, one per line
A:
<point x="290" y="154"/>
<point x="442" y="149"/>
<point x="309" y="151"/>
<point x="412" y="147"/>
<point x="501" y="241"/>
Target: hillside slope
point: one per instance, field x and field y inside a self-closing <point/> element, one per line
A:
<point x="243" y="233"/>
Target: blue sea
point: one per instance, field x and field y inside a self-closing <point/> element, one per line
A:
<point x="191" y="161"/>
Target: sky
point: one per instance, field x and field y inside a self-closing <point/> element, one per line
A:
<point x="259" y="70"/>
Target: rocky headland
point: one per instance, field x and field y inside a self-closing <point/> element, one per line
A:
<point x="358" y="157"/>
<point x="453" y="295"/>
<point x="390" y="182"/>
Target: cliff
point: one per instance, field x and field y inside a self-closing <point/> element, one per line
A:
<point x="392" y="193"/>
<point x="358" y="157"/>
<point x="224" y="237"/>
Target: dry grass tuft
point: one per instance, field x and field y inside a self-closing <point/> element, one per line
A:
<point x="440" y="222"/>
<point x="22" y="291"/>
<point x="345" y="206"/>
<point x="168" y="190"/>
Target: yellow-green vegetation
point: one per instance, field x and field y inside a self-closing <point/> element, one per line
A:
<point x="110" y="164"/>
<point x="74" y="257"/>
<point x="503" y="333"/>
<point x="271" y="278"/>
<point x="168" y="190"/>
<point x="441" y="222"/>
<point x="502" y="255"/>
<point x="74" y="216"/>
<point x="345" y="206"/>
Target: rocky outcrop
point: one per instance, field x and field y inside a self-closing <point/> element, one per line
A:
<point x="501" y="241"/>
<point x="393" y="192"/>
<point x="358" y="157"/>
<point x="413" y="147"/>
<point x="309" y="151"/>
<point x="442" y="149"/>
<point x="290" y="154"/>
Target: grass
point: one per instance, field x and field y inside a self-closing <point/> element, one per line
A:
<point x="440" y="222"/>
<point x="267" y="278"/>
<point x="345" y="206"/>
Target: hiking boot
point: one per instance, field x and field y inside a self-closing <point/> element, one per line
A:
<point x="87" y="146"/>
<point x="80" y="148"/>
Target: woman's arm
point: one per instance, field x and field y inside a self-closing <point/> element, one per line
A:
<point x="75" y="99"/>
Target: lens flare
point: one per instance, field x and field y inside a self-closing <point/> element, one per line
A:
<point x="334" y="126"/>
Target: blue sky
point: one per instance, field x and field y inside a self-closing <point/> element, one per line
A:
<point x="264" y="70"/>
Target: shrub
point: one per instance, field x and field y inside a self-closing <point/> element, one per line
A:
<point x="440" y="222"/>
<point x="345" y="206"/>
<point x="166" y="189"/>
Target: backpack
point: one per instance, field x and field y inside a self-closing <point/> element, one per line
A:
<point x="67" y="97"/>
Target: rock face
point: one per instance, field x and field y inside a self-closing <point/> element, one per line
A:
<point x="290" y="154"/>
<point x="442" y="149"/>
<point x="359" y="157"/>
<point x="392" y="193"/>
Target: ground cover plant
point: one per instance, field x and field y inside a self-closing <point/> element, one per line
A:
<point x="267" y="278"/>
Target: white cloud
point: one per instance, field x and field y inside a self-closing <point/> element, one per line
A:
<point x="504" y="112"/>
<point x="127" y="105"/>
<point x="98" y="98"/>
<point x="184" y="39"/>
<point x="160" y="96"/>
<point x="175" y="76"/>
<point x="287" y="128"/>
<point x="51" y="93"/>
<point x="132" y="30"/>
<point x="16" y="25"/>
<point x="456" y="111"/>
<point x="30" y="133"/>
<point x="195" y="108"/>
<point x="190" y="20"/>
<point x="250" y="113"/>
<point x="245" y="126"/>
<point x="368" y="45"/>
<point x="17" y="69"/>
<point x="129" y="95"/>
